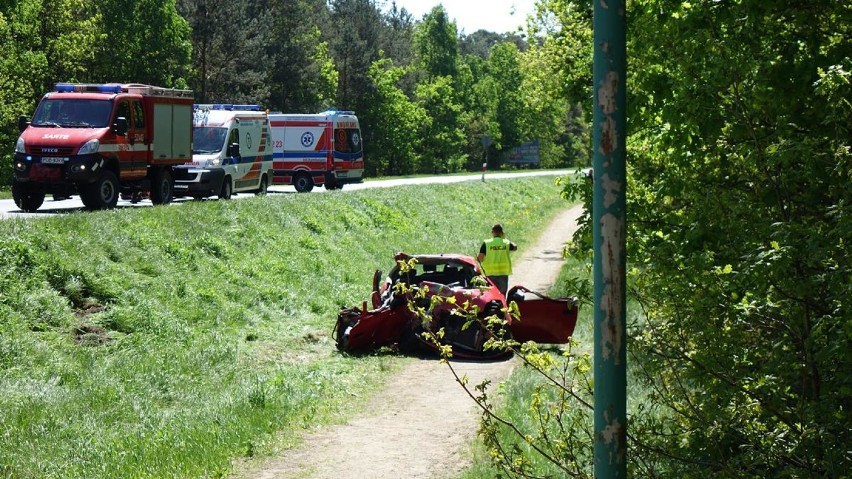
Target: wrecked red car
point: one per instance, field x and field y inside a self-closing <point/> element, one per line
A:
<point x="428" y="293"/>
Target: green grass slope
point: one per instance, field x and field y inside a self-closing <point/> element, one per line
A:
<point x="166" y="342"/>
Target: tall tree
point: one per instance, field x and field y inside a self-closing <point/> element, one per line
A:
<point x="397" y="123"/>
<point x="444" y="141"/>
<point x="229" y="57"/>
<point x="299" y="69"/>
<point x="147" y="41"/>
<point x="504" y="67"/>
<point x="355" y="44"/>
<point x="436" y="43"/>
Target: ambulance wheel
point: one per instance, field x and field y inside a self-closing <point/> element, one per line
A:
<point x="227" y="189"/>
<point x="162" y="187"/>
<point x="27" y="198"/>
<point x="103" y="193"/>
<point x="303" y="183"/>
<point x="264" y="186"/>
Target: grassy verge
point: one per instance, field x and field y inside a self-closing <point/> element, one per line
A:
<point x="166" y="342"/>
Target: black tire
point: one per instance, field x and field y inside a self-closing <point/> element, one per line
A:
<point x="227" y="189"/>
<point x="162" y="187"/>
<point x="27" y="197"/>
<point x="334" y="186"/>
<point x="303" y="183"/>
<point x="264" y="186"/>
<point x="103" y="193"/>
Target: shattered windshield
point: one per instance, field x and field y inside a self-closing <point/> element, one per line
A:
<point x="208" y="140"/>
<point x="73" y="113"/>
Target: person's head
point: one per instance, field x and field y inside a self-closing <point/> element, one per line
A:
<point x="497" y="230"/>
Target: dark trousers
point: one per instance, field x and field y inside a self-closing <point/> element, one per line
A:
<point x="502" y="282"/>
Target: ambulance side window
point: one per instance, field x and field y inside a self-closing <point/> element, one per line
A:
<point x="138" y="115"/>
<point x="234" y="137"/>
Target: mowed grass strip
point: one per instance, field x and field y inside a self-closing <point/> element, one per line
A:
<point x="169" y="341"/>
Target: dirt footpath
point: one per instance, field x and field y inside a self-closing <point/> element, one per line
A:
<point x="421" y="424"/>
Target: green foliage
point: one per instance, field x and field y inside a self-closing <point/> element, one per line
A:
<point x="132" y="345"/>
<point x="229" y="55"/>
<point x="444" y="135"/>
<point x="146" y="41"/>
<point x="740" y="189"/>
<point x="436" y="43"/>
<point x="557" y="80"/>
<point x="397" y="123"/>
<point x="504" y="68"/>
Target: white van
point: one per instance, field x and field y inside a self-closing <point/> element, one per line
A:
<point x="230" y="153"/>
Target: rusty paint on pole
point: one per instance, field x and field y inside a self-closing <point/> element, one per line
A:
<point x="609" y="227"/>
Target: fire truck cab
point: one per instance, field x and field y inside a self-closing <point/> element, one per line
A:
<point x="321" y="149"/>
<point x="230" y="153"/>
<point x="99" y="140"/>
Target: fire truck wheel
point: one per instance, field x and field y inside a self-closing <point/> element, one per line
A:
<point x="303" y="183"/>
<point x="27" y="198"/>
<point x="162" y="187"/>
<point x="264" y="186"/>
<point x="103" y="193"/>
<point x="227" y="189"/>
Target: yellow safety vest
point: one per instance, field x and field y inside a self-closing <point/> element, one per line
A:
<point x="497" y="261"/>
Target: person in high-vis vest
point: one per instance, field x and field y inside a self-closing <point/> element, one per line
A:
<point x="495" y="259"/>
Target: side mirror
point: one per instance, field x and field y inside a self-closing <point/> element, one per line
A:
<point x="22" y="123"/>
<point x="120" y="126"/>
<point x="234" y="150"/>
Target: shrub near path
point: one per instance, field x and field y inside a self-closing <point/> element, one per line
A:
<point x="420" y="425"/>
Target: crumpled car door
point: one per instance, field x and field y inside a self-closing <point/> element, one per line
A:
<point x="543" y="319"/>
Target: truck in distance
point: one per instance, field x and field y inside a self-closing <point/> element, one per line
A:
<point x="230" y="153"/>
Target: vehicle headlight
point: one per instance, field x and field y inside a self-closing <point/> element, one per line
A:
<point x="214" y="162"/>
<point x="20" y="146"/>
<point x="89" y="147"/>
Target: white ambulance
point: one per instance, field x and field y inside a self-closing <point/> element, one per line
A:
<point x="323" y="149"/>
<point x="230" y="152"/>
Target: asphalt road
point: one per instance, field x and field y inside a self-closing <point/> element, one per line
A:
<point x="8" y="209"/>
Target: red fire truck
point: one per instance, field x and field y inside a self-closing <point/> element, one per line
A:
<point x="102" y="140"/>
<point x="321" y="149"/>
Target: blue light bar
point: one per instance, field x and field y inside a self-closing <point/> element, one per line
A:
<point x="88" y="87"/>
<point x="109" y="88"/>
<point x="227" y="107"/>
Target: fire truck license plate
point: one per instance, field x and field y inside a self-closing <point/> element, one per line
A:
<point x="50" y="160"/>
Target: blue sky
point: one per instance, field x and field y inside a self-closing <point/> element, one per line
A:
<point x="472" y="15"/>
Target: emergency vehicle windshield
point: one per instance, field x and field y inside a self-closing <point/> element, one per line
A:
<point x="67" y="113"/>
<point x="208" y="140"/>
<point x="347" y="140"/>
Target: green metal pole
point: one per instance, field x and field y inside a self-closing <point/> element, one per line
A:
<point x="609" y="226"/>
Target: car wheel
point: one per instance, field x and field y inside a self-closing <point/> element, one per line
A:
<point x="227" y="189"/>
<point x="264" y="186"/>
<point x="163" y="188"/>
<point x="27" y="198"/>
<point x="303" y="183"/>
<point x="103" y="193"/>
